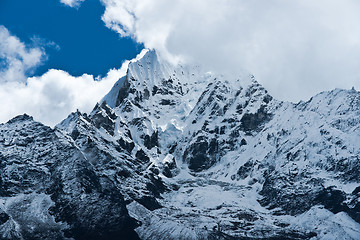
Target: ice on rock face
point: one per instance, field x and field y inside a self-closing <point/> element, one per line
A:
<point x="192" y="155"/>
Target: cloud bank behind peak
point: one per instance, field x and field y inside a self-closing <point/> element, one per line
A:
<point x="294" y="48"/>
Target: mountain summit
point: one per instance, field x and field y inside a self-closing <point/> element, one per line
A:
<point x="174" y="152"/>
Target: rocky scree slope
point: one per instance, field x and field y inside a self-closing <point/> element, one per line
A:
<point x="174" y="152"/>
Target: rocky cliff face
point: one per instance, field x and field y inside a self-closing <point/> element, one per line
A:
<point x="174" y="152"/>
<point x="50" y="190"/>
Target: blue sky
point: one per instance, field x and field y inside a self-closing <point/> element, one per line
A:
<point x="75" y="39"/>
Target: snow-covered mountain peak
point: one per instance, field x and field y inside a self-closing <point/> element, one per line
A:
<point x="337" y="100"/>
<point x="189" y="154"/>
<point x="339" y="107"/>
<point x="21" y="118"/>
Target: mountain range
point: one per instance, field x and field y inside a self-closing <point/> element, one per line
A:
<point x="175" y="152"/>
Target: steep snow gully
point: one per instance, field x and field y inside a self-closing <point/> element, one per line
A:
<point x="174" y="152"/>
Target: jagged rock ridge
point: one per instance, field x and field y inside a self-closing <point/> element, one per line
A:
<point x="174" y="152"/>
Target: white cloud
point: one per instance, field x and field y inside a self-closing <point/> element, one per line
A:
<point x="72" y="3"/>
<point x="294" y="48"/>
<point x="51" y="97"/>
<point x="16" y="59"/>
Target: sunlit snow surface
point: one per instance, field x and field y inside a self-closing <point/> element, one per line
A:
<point x="199" y="155"/>
<point x="312" y="133"/>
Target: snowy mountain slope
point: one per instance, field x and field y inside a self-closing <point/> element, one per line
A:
<point x="118" y="158"/>
<point x="197" y="155"/>
<point x="49" y="190"/>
